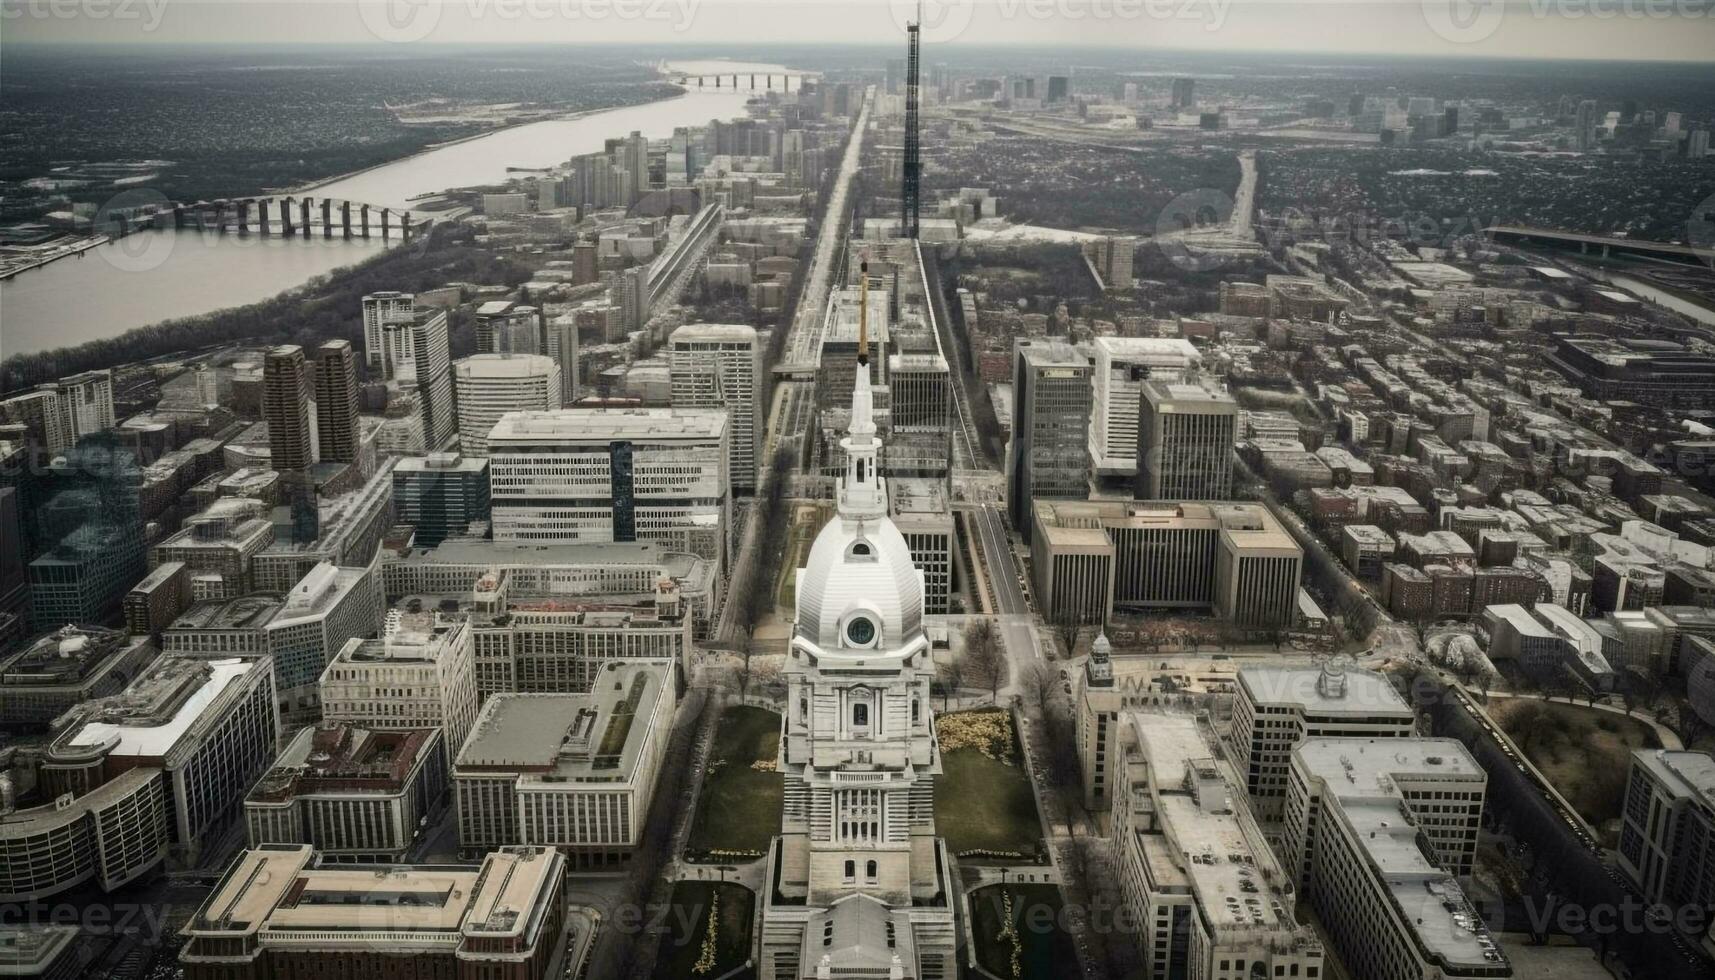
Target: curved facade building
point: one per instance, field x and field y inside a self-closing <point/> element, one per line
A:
<point x="490" y="385"/>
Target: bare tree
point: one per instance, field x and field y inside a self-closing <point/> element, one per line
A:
<point x="983" y="659"/>
<point x="950" y="676"/>
<point x="1069" y="629"/>
<point x="1038" y="682"/>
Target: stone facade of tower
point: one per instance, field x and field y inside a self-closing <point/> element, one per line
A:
<point x="859" y="885"/>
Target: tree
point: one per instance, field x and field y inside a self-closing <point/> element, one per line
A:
<point x="1038" y="683"/>
<point x="983" y="659"/>
<point x="949" y="677"/>
<point x="1069" y="629"/>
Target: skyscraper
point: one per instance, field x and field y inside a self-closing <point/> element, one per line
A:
<point x="378" y="310"/>
<point x="1048" y="456"/>
<point x="423" y="363"/>
<point x="336" y="401"/>
<point x="1184" y="93"/>
<point x="286" y="408"/>
<point x="1185" y="435"/>
<point x="1584" y="125"/>
<point x="910" y="198"/>
<point x="717" y="365"/>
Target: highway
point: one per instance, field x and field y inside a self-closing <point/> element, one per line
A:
<point x="792" y="407"/>
<point x="803" y="347"/>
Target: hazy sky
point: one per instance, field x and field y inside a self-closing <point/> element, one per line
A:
<point x="1617" y="29"/>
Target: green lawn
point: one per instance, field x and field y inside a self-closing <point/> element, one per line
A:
<point x="982" y="804"/>
<point x="1585" y="752"/>
<point x="687" y="926"/>
<point x="1045" y="950"/>
<point x="739" y="809"/>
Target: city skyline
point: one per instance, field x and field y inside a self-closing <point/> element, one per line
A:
<point x="1602" y="30"/>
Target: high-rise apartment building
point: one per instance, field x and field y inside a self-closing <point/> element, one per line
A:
<point x="423" y="364"/>
<point x="379" y="309"/>
<point x="1584" y="125"/>
<point x="328" y="608"/>
<point x="1048" y="457"/>
<point x="1185" y="435"/>
<point x="1184" y="93"/>
<point x="336" y="401"/>
<point x="491" y="385"/>
<point x="286" y="409"/>
<point x="503" y="327"/>
<point x="90" y="530"/>
<point x="716" y="366"/>
<point x="39" y="413"/>
<point x="1276" y="708"/>
<point x="594" y="475"/>
<point x="1667" y="829"/>
<point x="440" y="495"/>
<point x="1123" y="365"/>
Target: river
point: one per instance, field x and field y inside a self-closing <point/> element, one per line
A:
<point x="155" y="276"/>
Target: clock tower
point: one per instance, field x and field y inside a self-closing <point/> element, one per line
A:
<point x="859" y="882"/>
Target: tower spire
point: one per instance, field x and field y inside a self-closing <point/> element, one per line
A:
<point x="861" y="495"/>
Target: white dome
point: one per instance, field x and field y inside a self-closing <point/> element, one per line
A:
<point x="859" y="569"/>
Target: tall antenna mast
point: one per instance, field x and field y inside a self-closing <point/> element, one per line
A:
<point x="863" y="314"/>
<point x="910" y="192"/>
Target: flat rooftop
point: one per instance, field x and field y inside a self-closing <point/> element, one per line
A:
<point x="68" y="656"/>
<point x="1686" y="773"/>
<point x="1360" y="775"/>
<point x="334" y="757"/>
<point x="1324" y="690"/>
<point x="565" y="737"/>
<point x="277" y="891"/>
<point x="605" y="425"/>
<point x="157" y="710"/>
<point x="245" y="612"/>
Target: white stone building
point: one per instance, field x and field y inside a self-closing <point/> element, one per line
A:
<point x="858" y="858"/>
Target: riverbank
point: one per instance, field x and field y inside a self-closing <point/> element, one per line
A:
<point x="481" y="134"/>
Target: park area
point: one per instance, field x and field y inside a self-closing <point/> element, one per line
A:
<point x="706" y="932"/>
<point x="1019" y="933"/>
<point x="738" y="812"/>
<point x="983" y="803"/>
<point x="1585" y="752"/>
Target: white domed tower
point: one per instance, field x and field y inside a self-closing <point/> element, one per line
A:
<point x="858" y="858"/>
